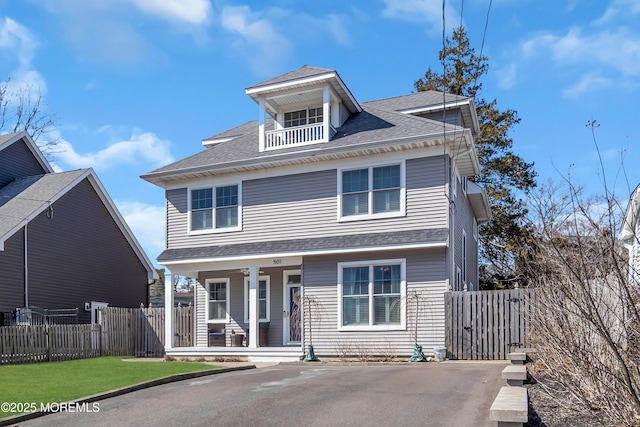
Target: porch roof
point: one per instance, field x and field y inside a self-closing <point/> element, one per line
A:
<point x="316" y="246"/>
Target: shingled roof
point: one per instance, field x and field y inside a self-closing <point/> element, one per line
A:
<point x="24" y="198"/>
<point x="297" y="247"/>
<point x="303" y="72"/>
<point x="370" y="127"/>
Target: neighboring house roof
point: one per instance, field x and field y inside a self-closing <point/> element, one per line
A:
<point x="631" y="217"/>
<point x="368" y="130"/>
<point x="313" y="246"/>
<point x="25" y="198"/>
<point x="10" y="138"/>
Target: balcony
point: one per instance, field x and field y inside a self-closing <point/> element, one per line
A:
<point x="296" y="136"/>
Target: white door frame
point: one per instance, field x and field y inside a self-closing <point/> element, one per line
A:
<point x="286" y="303"/>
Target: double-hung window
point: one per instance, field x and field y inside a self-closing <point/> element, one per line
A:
<point x="263" y="295"/>
<point x="217" y="300"/>
<point x="303" y="117"/>
<point x="371" y="295"/>
<point x="215" y="208"/>
<point x="377" y="191"/>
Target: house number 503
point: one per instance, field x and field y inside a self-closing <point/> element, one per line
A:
<point x="277" y="261"/>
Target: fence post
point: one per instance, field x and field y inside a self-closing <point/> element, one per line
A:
<point x="47" y="334"/>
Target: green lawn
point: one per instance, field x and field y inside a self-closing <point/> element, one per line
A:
<point x="63" y="381"/>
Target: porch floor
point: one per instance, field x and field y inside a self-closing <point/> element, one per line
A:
<point x="259" y="354"/>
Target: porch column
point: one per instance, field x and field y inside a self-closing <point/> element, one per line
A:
<point x="326" y="102"/>
<point x="168" y="311"/>
<point x="253" y="307"/>
<point x="261" y="114"/>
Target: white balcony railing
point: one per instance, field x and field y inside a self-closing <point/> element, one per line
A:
<point x="294" y="136"/>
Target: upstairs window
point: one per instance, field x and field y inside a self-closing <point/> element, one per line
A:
<point x="303" y="117"/>
<point x="215" y="208"/>
<point x="374" y="191"/>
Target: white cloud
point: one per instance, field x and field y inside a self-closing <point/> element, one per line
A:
<point x="421" y="11"/>
<point x="619" y="50"/>
<point x="189" y="11"/>
<point x="147" y="222"/>
<point x="507" y="76"/>
<point x="17" y="37"/>
<point x="587" y="83"/>
<point x="260" y="42"/>
<point x="16" y="41"/>
<point x="618" y="9"/>
<point x="144" y="146"/>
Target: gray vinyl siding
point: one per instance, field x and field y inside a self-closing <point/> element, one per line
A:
<point x="12" y="273"/>
<point x="290" y="207"/>
<point x="344" y="114"/>
<point x="464" y="221"/>
<point x="452" y="117"/>
<point x="237" y="305"/>
<point x="17" y="161"/>
<point x="426" y="274"/>
<point x="80" y="255"/>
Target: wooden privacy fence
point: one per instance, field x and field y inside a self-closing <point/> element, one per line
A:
<point x="140" y="331"/>
<point x="119" y="332"/>
<point x="48" y="343"/>
<point x="486" y="325"/>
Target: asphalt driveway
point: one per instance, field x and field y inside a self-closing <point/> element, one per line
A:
<point x="426" y="394"/>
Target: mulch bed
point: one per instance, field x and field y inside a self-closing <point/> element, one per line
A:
<point x="545" y="411"/>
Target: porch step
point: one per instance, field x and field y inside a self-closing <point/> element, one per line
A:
<point x="517" y="358"/>
<point x="510" y="407"/>
<point x="514" y="374"/>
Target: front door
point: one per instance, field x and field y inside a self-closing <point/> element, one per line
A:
<point x="292" y="313"/>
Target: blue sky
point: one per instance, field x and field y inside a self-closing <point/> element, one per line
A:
<point x="136" y="84"/>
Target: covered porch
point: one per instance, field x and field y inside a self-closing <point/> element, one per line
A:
<point x="244" y="309"/>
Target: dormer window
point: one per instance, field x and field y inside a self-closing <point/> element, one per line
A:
<point x="307" y="106"/>
<point x="303" y="117"/>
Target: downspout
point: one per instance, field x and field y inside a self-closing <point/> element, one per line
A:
<point x="26" y="269"/>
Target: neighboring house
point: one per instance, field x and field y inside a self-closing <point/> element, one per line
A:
<point x="630" y="235"/>
<point x="63" y="243"/>
<point x="350" y="209"/>
<point x="184" y="299"/>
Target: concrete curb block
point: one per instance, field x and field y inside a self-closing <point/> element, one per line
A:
<point x="124" y="390"/>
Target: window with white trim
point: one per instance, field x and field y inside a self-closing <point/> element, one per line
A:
<point x="303" y="117"/>
<point x="217" y="308"/>
<point x="377" y="191"/>
<point x="215" y="208"/>
<point x="371" y="295"/>
<point x="264" y="297"/>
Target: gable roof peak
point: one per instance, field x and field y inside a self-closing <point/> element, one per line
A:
<point x="299" y="73"/>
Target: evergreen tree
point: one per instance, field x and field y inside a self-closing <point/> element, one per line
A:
<point x="504" y="174"/>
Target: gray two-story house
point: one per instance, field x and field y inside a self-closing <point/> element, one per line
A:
<point x="327" y="221"/>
